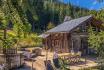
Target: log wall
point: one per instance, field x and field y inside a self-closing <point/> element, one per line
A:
<point x="59" y="41"/>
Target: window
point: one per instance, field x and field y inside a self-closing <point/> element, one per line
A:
<point x="95" y="29"/>
<point x="83" y="28"/>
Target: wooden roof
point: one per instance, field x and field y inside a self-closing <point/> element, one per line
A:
<point x="69" y="25"/>
<point x="44" y="35"/>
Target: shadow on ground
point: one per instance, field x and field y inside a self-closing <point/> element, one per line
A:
<point x="25" y="68"/>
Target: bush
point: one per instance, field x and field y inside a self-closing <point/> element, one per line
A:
<point x="31" y="41"/>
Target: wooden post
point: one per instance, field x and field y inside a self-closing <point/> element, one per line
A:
<point x="46" y="58"/>
<point x="5" y="51"/>
<point x="20" y="58"/>
<point x="85" y="61"/>
<point x="32" y="64"/>
<point x="46" y="54"/>
<point x="72" y="44"/>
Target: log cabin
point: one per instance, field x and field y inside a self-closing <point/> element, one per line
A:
<point x="71" y="35"/>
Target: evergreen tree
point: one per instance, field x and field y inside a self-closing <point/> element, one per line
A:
<point x="50" y="26"/>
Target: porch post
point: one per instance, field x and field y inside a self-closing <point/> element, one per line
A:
<point x="72" y="48"/>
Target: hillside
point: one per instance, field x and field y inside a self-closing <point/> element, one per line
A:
<point x="54" y="12"/>
<point x="41" y="14"/>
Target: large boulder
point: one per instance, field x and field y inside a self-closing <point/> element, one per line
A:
<point x="37" y="51"/>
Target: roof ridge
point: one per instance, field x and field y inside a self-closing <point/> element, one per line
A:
<point x="79" y="18"/>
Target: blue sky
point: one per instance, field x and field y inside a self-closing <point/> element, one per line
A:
<point x="89" y="4"/>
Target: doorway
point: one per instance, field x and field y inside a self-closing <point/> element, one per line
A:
<point x="76" y="44"/>
<point x="84" y="46"/>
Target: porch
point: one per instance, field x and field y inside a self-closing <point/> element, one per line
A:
<point x="79" y="42"/>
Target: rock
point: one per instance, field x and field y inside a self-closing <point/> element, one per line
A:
<point x="37" y="51"/>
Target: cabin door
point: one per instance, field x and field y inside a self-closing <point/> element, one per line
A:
<point x="76" y="44"/>
<point x="84" y="46"/>
<point x="57" y="45"/>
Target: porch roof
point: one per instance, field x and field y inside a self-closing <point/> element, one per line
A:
<point x="44" y="35"/>
<point x="69" y="25"/>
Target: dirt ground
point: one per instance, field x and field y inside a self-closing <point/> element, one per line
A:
<point x="38" y="63"/>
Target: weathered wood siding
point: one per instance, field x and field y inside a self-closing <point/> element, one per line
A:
<point x="59" y="41"/>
